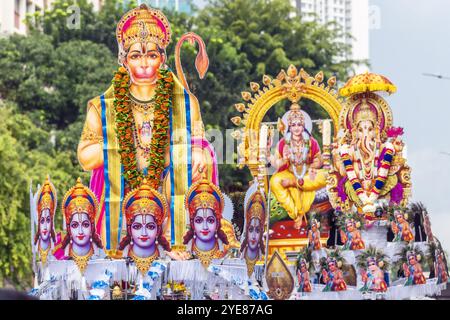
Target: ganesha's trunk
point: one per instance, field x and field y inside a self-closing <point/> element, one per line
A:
<point x="366" y="149"/>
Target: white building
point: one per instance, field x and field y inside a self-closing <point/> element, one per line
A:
<point x="351" y="15"/>
<point x="13" y="13"/>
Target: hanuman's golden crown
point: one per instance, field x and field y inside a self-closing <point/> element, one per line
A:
<point x="256" y="207"/>
<point x="79" y="199"/>
<point x="143" y="24"/>
<point x="204" y="195"/>
<point x="47" y="198"/>
<point x="145" y="200"/>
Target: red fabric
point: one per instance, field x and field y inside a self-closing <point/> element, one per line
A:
<point x="313" y="151"/>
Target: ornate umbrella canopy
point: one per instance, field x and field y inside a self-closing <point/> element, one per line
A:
<point x="367" y="82"/>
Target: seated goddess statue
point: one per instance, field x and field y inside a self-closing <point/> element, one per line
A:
<point x="298" y="160"/>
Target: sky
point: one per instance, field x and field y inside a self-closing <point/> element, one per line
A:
<point x="414" y="38"/>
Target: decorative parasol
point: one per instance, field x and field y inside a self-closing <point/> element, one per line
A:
<point x="367" y="82"/>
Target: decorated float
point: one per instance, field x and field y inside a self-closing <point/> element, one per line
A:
<point x="326" y="216"/>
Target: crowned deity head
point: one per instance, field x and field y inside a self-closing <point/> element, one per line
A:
<point x="372" y="264"/>
<point x="413" y="258"/>
<point x="255" y="213"/>
<point x="332" y="264"/>
<point x="350" y="225"/>
<point x="315" y="225"/>
<point x="365" y="128"/>
<point x="143" y="35"/>
<point x="79" y="207"/>
<point x="303" y="265"/>
<point x="296" y="123"/>
<point x="400" y="216"/>
<point x="205" y="204"/>
<point x="46" y="208"/>
<point x="146" y="211"/>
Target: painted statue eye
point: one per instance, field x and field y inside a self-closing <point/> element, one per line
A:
<point x="86" y="224"/>
<point x="42" y="220"/>
<point x="211" y="220"/>
<point x="198" y="220"/>
<point x="154" y="55"/>
<point x="151" y="226"/>
<point x="74" y="225"/>
<point x="137" y="226"/>
<point x="250" y="229"/>
<point x="135" y="56"/>
<point x="257" y="229"/>
<point x="48" y="219"/>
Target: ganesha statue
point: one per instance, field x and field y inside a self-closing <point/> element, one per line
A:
<point x="147" y="124"/>
<point x="368" y="160"/>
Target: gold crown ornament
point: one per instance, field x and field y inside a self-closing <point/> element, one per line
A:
<point x="256" y="207"/>
<point x="204" y="195"/>
<point x="79" y="199"/>
<point x="143" y="25"/>
<point x="295" y="114"/>
<point x="145" y="200"/>
<point x="47" y="198"/>
<point x="365" y="113"/>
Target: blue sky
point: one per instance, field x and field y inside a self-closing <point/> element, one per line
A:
<point x="414" y="38"/>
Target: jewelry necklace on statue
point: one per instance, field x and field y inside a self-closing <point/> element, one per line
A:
<point x="81" y="261"/>
<point x="43" y="253"/>
<point x="143" y="264"/>
<point x="205" y="257"/>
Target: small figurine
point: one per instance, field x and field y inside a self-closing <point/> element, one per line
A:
<point x="314" y="235"/>
<point x="373" y="264"/>
<point x="350" y="234"/>
<point x="401" y="227"/>
<point x="304" y="282"/>
<point x="440" y="267"/>
<point x="413" y="269"/>
<point x="332" y="273"/>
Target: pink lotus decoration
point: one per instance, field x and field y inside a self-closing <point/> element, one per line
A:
<point x="395" y="132"/>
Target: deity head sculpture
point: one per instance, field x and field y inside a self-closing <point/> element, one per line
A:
<point x="146" y="211"/>
<point x="253" y="243"/>
<point x="365" y="128"/>
<point x="315" y="225"/>
<point x="332" y="264"/>
<point x="46" y="208"/>
<point x="413" y="258"/>
<point x="205" y="204"/>
<point x="296" y="123"/>
<point x="143" y="35"/>
<point x="80" y="207"/>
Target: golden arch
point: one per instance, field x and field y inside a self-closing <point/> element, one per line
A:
<point x="293" y="85"/>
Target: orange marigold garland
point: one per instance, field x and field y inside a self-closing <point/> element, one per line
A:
<point x="124" y="128"/>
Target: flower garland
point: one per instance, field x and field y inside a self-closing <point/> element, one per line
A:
<point x="380" y="181"/>
<point x="125" y="123"/>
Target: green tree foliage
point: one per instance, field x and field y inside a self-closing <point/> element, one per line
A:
<point x="48" y="77"/>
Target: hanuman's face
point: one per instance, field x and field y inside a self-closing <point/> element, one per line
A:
<point x="45" y="224"/>
<point x="143" y="61"/>
<point x="80" y="229"/>
<point x="205" y="224"/>
<point x="254" y="233"/>
<point x="144" y="230"/>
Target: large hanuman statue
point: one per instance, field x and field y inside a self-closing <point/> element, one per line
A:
<point x="146" y="125"/>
